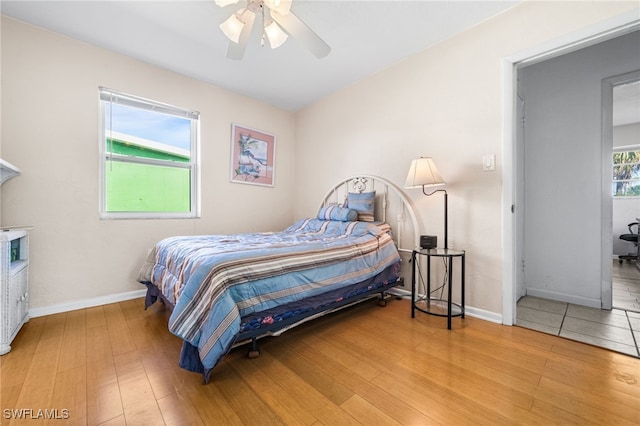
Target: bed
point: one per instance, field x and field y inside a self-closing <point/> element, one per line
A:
<point x="228" y="290"/>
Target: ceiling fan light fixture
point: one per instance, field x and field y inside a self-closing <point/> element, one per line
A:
<point x="232" y="28"/>
<point x="275" y="34"/>
<point x="278" y="23"/>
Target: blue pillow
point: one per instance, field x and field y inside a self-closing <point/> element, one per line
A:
<point x="336" y="212"/>
<point x="363" y="203"/>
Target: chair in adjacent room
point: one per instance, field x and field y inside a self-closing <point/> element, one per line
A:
<point x="632" y="238"/>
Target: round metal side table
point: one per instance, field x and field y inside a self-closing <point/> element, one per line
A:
<point x="435" y="306"/>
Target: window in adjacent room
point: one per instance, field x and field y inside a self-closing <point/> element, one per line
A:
<point x="626" y="172"/>
<point x="148" y="158"/>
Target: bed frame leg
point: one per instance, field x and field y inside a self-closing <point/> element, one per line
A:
<point x="254" y="350"/>
<point x="382" y="300"/>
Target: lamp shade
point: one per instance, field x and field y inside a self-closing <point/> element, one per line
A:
<point x="275" y="35"/>
<point x="423" y="172"/>
<point x="232" y="28"/>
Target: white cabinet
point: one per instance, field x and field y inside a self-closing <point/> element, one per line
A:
<point x="14" y="285"/>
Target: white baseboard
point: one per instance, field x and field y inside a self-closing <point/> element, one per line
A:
<point x="483" y="315"/>
<point x="114" y="298"/>
<point x="563" y="297"/>
<point x="86" y="303"/>
<point x="468" y="310"/>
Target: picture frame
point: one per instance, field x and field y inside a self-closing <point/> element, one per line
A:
<point x="253" y="154"/>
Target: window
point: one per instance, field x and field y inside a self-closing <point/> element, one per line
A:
<point x="626" y="172"/>
<point x="148" y="158"/>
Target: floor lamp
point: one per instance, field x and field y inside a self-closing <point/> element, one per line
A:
<point x="424" y="173"/>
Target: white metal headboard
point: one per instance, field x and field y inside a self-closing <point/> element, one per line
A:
<point x="390" y="200"/>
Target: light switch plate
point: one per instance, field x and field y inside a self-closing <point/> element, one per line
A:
<point x="488" y="162"/>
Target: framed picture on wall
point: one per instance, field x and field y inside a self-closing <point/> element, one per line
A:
<point x="252" y="156"/>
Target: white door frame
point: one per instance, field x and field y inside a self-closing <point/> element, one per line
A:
<point x="607" y="200"/>
<point x="511" y="187"/>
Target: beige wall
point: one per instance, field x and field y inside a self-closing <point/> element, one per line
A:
<point x="50" y="131"/>
<point x="445" y="102"/>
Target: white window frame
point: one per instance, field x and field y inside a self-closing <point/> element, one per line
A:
<point x="106" y="96"/>
<point x="623" y="149"/>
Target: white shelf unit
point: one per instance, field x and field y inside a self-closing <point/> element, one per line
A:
<point x="14" y="285"/>
<point x="7" y="171"/>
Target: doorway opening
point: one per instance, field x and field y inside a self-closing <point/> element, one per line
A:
<point x="567" y="308"/>
<point x="621" y="116"/>
<point x="512" y="191"/>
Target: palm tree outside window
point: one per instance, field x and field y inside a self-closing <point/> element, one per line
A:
<point x="626" y="172"/>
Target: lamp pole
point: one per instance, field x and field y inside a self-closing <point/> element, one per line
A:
<point x="446" y="213"/>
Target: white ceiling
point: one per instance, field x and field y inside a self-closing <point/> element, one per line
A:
<point x="366" y="36"/>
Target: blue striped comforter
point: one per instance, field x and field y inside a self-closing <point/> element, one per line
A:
<point x="214" y="280"/>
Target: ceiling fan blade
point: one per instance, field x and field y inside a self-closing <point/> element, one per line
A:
<point x="236" y="50"/>
<point x="301" y="32"/>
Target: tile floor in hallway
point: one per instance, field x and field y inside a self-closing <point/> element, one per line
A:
<point x="618" y="329"/>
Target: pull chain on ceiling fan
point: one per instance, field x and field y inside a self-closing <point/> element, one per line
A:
<point x="278" y="22"/>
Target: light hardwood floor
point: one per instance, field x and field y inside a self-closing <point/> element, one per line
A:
<point x="117" y="365"/>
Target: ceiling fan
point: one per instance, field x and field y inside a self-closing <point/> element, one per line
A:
<point x="278" y="22"/>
